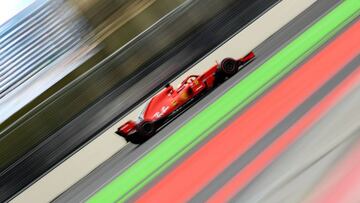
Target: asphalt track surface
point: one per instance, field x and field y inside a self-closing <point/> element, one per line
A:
<point x="342" y="182"/>
<point x="320" y="147"/>
<point x="114" y="166"/>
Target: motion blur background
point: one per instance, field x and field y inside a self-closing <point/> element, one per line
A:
<point x="71" y="71"/>
<point x="53" y="43"/>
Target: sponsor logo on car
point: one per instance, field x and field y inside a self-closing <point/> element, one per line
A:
<point x="162" y="112"/>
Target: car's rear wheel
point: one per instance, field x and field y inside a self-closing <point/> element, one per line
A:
<point x="228" y="67"/>
<point x="145" y="130"/>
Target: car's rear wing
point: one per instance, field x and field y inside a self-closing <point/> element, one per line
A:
<point x="126" y="129"/>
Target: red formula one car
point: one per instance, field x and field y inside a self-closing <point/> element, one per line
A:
<point x="168" y="103"/>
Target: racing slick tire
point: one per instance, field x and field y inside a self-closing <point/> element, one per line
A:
<point x="228" y="67"/>
<point x="145" y="130"/>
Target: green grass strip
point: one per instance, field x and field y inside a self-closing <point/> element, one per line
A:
<point x="175" y="146"/>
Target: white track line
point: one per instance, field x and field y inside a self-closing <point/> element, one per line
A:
<point x="100" y="149"/>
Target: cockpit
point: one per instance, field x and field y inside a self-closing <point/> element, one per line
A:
<point x="189" y="79"/>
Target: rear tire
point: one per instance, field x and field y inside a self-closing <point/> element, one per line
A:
<point x="145" y="130"/>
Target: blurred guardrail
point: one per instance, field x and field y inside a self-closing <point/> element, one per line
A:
<point x="106" y="92"/>
<point x="48" y="29"/>
<point x="39" y="39"/>
<point x="41" y="67"/>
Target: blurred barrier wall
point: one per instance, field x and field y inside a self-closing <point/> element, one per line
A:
<point x="30" y="43"/>
<point x="120" y="22"/>
<point x="42" y="37"/>
<point x="56" y="111"/>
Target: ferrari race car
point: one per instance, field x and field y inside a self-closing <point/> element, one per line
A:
<point x="170" y="102"/>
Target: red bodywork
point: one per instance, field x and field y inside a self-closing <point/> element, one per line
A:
<point x="166" y="103"/>
<point x="170" y="99"/>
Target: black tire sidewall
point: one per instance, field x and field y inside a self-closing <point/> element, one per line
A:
<point x="146" y="129"/>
